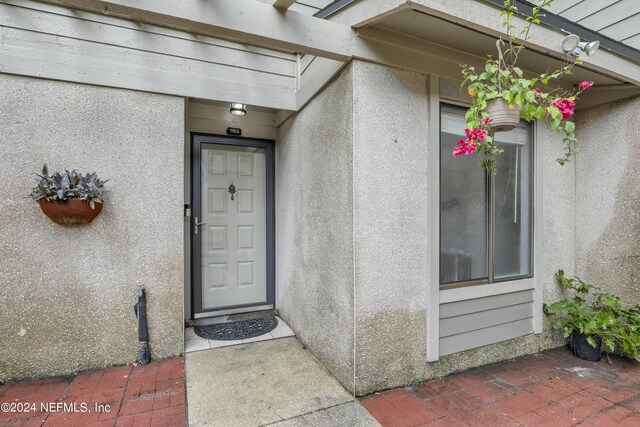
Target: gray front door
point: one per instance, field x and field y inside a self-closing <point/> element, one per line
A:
<point x="232" y="225"/>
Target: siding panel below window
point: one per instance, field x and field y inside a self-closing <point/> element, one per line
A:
<point x="484" y="319"/>
<point x="459" y="308"/>
<point x="477" y="322"/>
<point x="494" y="334"/>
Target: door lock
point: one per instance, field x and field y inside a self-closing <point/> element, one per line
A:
<point x="196" y="225"/>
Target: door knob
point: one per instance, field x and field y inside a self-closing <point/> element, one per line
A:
<point x="232" y="190"/>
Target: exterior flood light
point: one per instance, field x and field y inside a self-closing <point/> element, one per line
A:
<point x="238" y="109"/>
<point x="572" y="46"/>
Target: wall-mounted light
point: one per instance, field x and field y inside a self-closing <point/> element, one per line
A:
<point x="572" y="46"/>
<point x="238" y="109"/>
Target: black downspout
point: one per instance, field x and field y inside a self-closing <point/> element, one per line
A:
<point x="140" y="309"/>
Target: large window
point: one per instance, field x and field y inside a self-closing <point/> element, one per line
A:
<point x="486" y="222"/>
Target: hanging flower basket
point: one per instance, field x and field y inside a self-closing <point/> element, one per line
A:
<point x="503" y="116"/>
<point x="70" y="212"/>
<point x="502" y="94"/>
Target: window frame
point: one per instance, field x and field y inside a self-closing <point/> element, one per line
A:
<point x="490" y="182"/>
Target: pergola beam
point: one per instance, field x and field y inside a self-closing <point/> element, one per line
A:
<point x="250" y="22"/>
<point x="283" y="4"/>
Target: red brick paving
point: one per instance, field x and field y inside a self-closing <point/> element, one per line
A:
<point x="150" y="395"/>
<point x="551" y="388"/>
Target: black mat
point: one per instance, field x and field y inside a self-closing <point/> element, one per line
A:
<point x="238" y="330"/>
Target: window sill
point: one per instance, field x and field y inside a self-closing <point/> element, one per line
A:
<point x="479" y="291"/>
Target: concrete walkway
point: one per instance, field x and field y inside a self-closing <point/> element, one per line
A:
<point x="276" y="382"/>
<point x="551" y="388"/>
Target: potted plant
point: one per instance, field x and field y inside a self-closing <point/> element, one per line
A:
<point x="501" y="93"/>
<point x="592" y="321"/>
<point x="69" y="198"/>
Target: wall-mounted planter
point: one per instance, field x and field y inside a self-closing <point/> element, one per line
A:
<point x="70" y="212"/>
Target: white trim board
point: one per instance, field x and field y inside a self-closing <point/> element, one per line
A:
<point x="433" y="292"/>
<point x="480" y="291"/>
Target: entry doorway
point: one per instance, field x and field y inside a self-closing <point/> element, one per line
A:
<point x="232" y="225"/>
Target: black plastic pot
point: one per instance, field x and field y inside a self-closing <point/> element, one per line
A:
<point x="584" y="350"/>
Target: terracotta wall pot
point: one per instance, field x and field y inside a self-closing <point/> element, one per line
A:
<point x="503" y="117"/>
<point x="70" y="212"/>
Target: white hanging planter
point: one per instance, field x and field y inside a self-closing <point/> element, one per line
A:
<point x="503" y="117"/>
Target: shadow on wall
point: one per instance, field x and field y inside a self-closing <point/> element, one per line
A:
<point x="608" y="198"/>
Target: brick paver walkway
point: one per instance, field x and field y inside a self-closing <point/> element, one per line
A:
<point x="150" y="395"/>
<point x="551" y="388"/>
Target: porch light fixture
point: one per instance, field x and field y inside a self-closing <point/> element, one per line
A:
<point x="572" y="46"/>
<point x="238" y="109"/>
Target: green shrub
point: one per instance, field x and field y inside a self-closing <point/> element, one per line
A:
<point x="593" y="312"/>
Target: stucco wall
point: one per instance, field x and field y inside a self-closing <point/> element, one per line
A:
<point x="315" y="223"/>
<point x="67" y="293"/>
<point x="376" y="267"/>
<point x="390" y="225"/>
<point x="608" y="200"/>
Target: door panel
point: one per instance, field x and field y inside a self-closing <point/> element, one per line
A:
<point x="233" y="238"/>
<point x="233" y="267"/>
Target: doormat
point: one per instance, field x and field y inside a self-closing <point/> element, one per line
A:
<point x="238" y="330"/>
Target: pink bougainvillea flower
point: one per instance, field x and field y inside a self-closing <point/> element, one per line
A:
<point x="565" y="106"/>
<point x="485" y="122"/>
<point x="464" y="147"/>
<point x="537" y="90"/>
<point x="585" y="85"/>
<point x="476" y="134"/>
<point x="469" y="145"/>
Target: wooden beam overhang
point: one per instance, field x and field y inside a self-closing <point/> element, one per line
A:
<point x="353" y="32"/>
<point x="250" y="22"/>
<point x="283" y="4"/>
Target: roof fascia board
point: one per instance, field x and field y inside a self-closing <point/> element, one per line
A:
<point x="247" y="21"/>
<point x="332" y="8"/>
<point x="525" y="8"/>
<point x="484" y="17"/>
<point x="543" y="39"/>
<point x="360" y="13"/>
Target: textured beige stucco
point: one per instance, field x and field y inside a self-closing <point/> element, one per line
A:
<point x="391" y="196"/>
<point x="608" y="198"/>
<point x="67" y="293"/>
<point x="588" y="225"/>
<point x="384" y="235"/>
<point x="314" y="228"/>
<point x="350" y="164"/>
